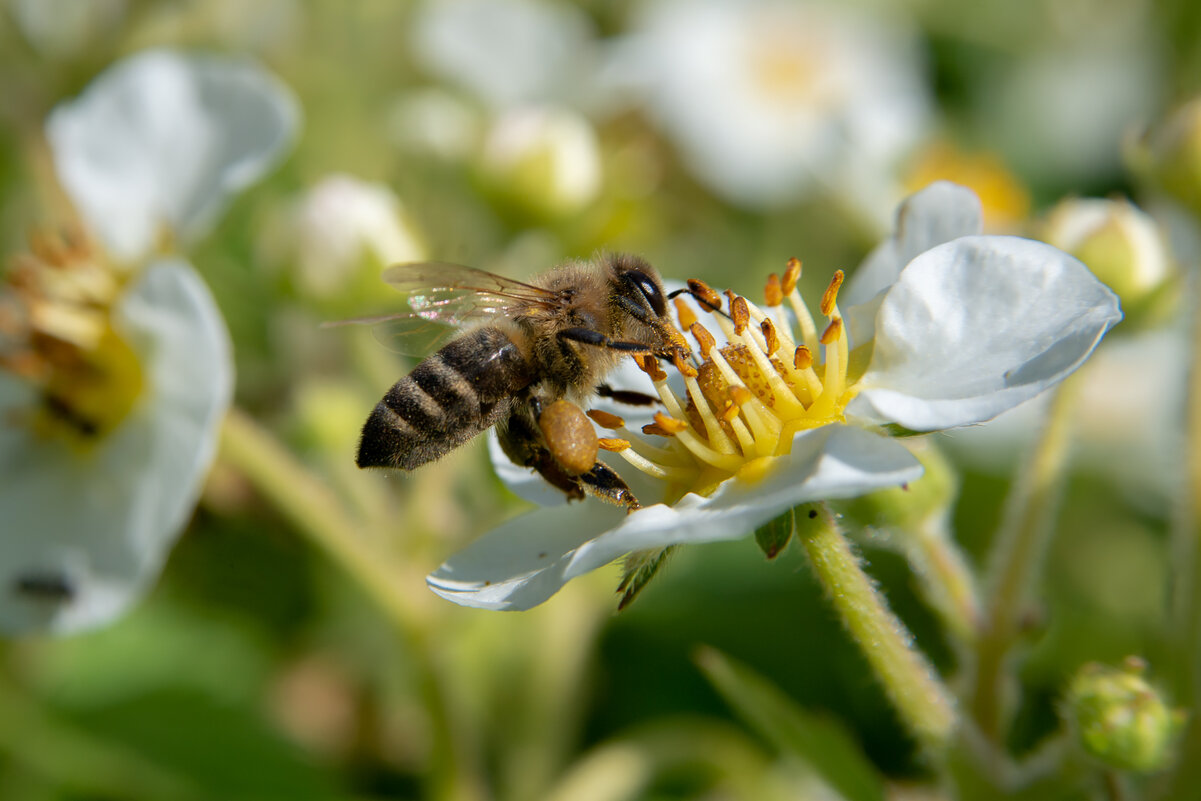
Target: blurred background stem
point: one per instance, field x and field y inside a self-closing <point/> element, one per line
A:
<point x="1017" y="556"/>
<point x="919" y="696"/>
<point x="945" y="577"/>
<point x="319" y="515"/>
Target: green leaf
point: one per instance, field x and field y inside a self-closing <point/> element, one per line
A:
<point x="821" y="743"/>
<point x="639" y="568"/>
<point x="774" y="535"/>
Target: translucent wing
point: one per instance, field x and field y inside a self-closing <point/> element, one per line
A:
<point x="443" y="297"/>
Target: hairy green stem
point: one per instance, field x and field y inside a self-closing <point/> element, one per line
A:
<point x="946" y="578"/>
<point x="1017" y="557"/>
<point x="922" y="700"/>
<point x="318" y="513"/>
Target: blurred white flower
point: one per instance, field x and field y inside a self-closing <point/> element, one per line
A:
<point x="507" y="52"/>
<point x="59" y="28"/>
<point x="342" y="223"/>
<point x="436" y="122"/>
<point x="545" y="159"/>
<point x="163" y="140"/>
<point x="116" y="375"/>
<point x="769" y="101"/>
<point x="964" y="331"/>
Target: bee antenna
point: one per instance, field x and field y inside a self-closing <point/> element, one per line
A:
<point x="697" y="297"/>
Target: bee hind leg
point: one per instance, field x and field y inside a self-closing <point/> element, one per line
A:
<point x="603" y="482"/>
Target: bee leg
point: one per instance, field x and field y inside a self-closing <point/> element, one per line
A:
<point x="521" y="440"/>
<point x="628" y="397"/>
<point x="605" y="484"/>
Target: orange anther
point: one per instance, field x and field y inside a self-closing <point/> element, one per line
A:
<point x="682" y="365"/>
<point x="832" y="332"/>
<point x="739" y="312"/>
<point x="612" y="444"/>
<point x="654" y="429"/>
<point x="703" y="339"/>
<point x="792" y="274"/>
<point x="770" y="338"/>
<point x="705" y="294"/>
<point x="650" y="366"/>
<point x="684" y="313"/>
<point x="773" y="293"/>
<point x="830" y="296"/>
<point x="670" y="424"/>
<point x="802" y="359"/>
<point x="605" y="419"/>
<point x="730" y="412"/>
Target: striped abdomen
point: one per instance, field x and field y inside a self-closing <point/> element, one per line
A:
<point x="455" y="394"/>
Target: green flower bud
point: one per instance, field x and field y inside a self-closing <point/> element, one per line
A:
<point x="1169" y="155"/>
<point x="544" y="162"/>
<point x="1123" y="247"/>
<point x="907" y="508"/>
<point x="1120" y="719"/>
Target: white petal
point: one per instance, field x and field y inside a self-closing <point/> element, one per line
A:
<point x="525" y="561"/>
<point x="939" y="213"/>
<point x="975" y="327"/>
<point x="101" y="523"/>
<point x="164" y="138"/>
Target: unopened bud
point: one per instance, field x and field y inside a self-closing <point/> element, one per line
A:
<point x="1123" y="247"/>
<point x="1169" y="155"/>
<point x="1120" y="719"/>
<point x="544" y="161"/>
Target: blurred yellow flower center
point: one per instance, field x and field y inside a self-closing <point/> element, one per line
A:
<point x="56" y="333"/>
<point x="745" y="400"/>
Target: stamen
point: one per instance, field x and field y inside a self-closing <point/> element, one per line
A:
<point x="670" y="424"/>
<point x="773" y="294"/>
<point x="830" y="296"/>
<point x="685" y="314"/>
<point x="739" y="312"/>
<point x="802" y="359"/>
<point x="792" y="273"/>
<point x="656" y="470"/>
<point x="770" y="340"/>
<point x="650" y="367"/>
<point x="830" y="335"/>
<point x="804" y="319"/>
<point x="685" y="369"/>
<point x="605" y="419"/>
<point x="713" y="429"/>
<point x="612" y="443"/>
<point x="705" y="294"/>
<point x="656" y="430"/>
<point x="704" y="339"/>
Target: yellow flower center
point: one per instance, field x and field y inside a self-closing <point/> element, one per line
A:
<point x="56" y="333"/>
<point x="745" y="400"/>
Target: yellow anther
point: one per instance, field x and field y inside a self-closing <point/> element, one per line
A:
<point x="802" y="359"/>
<point x="830" y="296"/>
<point x="832" y="332"/>
<point x="792" y="274"/>
<point x="704" y="339"/>
<point x="605" y="419"/>
<point x="773" y="293"/>
<point x="670" y="423"/>
<point x="613" y="444"/>
<point x="730" y="412"/>
<point x="705" y="294"/>
<point x="770" y="339"/>
<point x="739" y="312"/>
<point x="685" y="314"/>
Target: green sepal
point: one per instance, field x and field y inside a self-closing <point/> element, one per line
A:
<point x="774" y="535"/>
<point x="638" y="570"/>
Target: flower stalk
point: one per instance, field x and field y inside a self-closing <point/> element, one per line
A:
<point x="946" y="579"/>
<point x="923" y="702"/>
<point x="1021" y="543"/>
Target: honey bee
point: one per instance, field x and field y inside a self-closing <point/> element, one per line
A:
<point x="530" y="354"/>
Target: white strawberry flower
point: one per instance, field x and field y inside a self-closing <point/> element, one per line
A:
<point x="782" y="412"/>
<point x="115" y="363"/>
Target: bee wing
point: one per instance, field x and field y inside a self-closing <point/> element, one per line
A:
<point x="443" y="297"/>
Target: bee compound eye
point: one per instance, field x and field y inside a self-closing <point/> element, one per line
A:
<point x="649" y="290"/>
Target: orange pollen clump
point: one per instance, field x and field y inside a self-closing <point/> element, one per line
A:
<point x="746" y="399"/>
